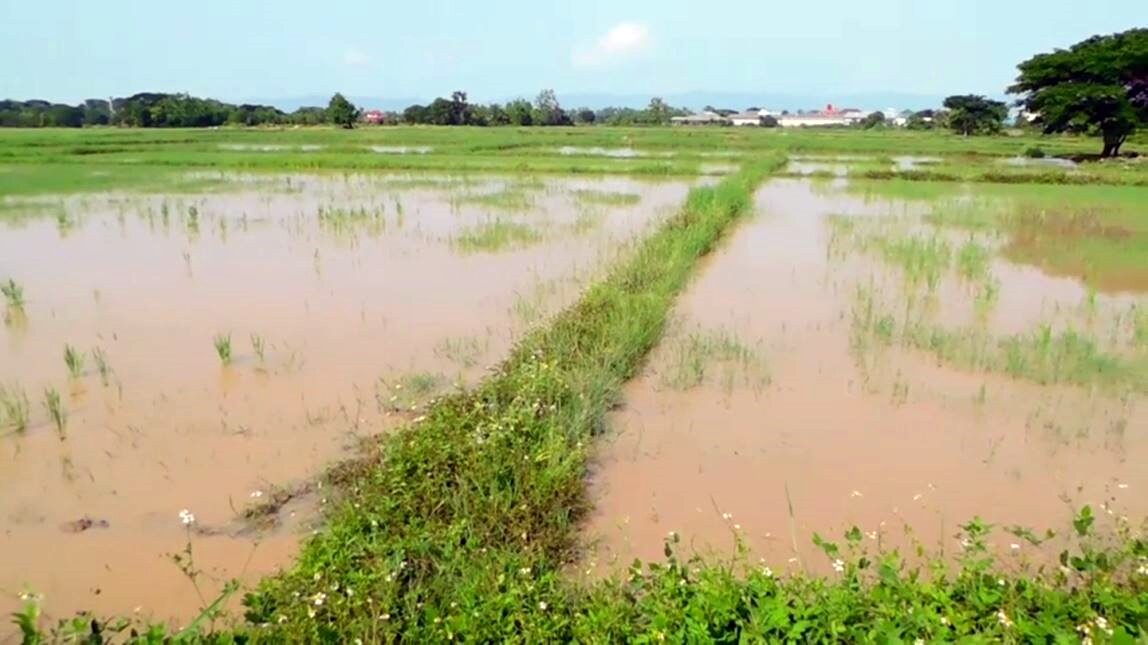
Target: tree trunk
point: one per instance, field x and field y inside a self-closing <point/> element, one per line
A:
<point x="1112" y="143"/>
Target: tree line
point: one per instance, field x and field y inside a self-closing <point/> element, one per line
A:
<point x="545" y="110"/>
<point x="151" y="110"/>
<point x="1098" y="86"/>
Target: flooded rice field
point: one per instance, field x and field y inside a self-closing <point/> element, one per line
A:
<point x="167" y="362"/>
<point x="854" y="357"/>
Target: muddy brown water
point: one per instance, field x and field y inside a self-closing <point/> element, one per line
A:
<point x="907" y="441"/>
<point x="90" y="520"/>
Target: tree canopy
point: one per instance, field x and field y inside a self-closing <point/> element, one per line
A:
<point x="1099" y="85"/>
<point x="342" y="112"/>
<point x="975" y="114"/>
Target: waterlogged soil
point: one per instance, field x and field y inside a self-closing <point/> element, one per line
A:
<point x="835" y="437"/>
<point x="366" y="306"/>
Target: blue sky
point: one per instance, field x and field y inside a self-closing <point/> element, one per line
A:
<point x="235" y="49"/>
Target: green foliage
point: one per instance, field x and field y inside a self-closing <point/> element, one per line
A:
<point x="222" y="344"/>
<point x="74" y="360"/>
<point x="13" y="294"/>
<point x="342" y="112"/>
<point x="974" y="114"/>
<point x="1099" y="84"/>
<point x="496" y="235"/>
<point x="55" y="409"/>
<point x="14" y="408"/>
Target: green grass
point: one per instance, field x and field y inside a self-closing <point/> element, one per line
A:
<point x="496" y="235"/>
<point x="696" y="355"/>
<point x="74" y="361"/>
<point x="606" y="198"/>
<point x="1098" y="234"/>
<point x="13" y="293"/>
<point x="514" y="199"/>
<point x="66" y="161"/>
<point x="14" y="408"/>
<point x="222" y="344"/>
<point x="461" y="524"/>
<point x="1041" y="356"/>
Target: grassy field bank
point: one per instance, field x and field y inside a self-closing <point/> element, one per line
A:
<point x="93" y="159"/>
<point x="462" y="524"/>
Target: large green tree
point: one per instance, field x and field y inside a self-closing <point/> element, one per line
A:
<point x="342" y="112"/>
<point x="1099" y="85"/>
<point x="974" y="114"/>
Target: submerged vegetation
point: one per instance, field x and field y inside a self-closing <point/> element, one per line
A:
<point x="462" y="523"/>
<point x="496" y="235"/>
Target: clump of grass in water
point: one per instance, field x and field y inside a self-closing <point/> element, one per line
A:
<point x="694" y="354"/>
<point x="74" y="360"/>
<point x="973" y="261"/>
<point x="14" y="408"/>
<point x="496" y="235"/>
<point x="606" y="198"/>
<point x="408" y="392"/>
<point x="259" y="346"/>
<point x="222" y="344"/>
<point x="13" y="294"/>
<point x="55" y="409"/>
<point x="102" y="366"/>
<point x="464" y="351"/>
<point x="511" y="198"/>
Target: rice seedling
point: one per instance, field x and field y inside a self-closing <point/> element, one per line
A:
<point x="222" y="343"/>
<point x="103" y="368"/>
<point x="695" y="355"/>
<point x="606" y="198"/>
<point x="192" y="220"/>
<point x="13" y="294"/>
<point x="973" y="261"/>
<point x="465" y="351"/>
<point x="14" y="408"/>
<point x="74" y="360"/>
<point x="510" y="198"/>
<point x="55" y="409"/>
<point x="408" y="392"/>
<point x="259" y="346"/>
<point x="496" y="235"/>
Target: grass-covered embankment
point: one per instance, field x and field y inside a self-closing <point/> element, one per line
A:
<point x="463" y="522"/>
<point x="461" y="525"/>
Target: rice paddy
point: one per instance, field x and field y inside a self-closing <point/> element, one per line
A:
<point x="416" y="384"/>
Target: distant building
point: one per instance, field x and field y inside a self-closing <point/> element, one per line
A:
<point x="749" y="117"/>
<point x="374" y="117"/>
<point x="703" y="118"/>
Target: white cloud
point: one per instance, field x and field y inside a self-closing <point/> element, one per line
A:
<point x="624" y="39"/>
<point x="355" y="58"/>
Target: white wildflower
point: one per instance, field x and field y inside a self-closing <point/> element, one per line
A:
<point x="767" y="572"/>
<point x="1003" y="618"/>
<point x="727" y="516"/>
<point x="187" y="517"/>
<point x="1143" y="570"/>
<point x="542" y="605"/>
<point x="1014" y="546"/>
<point x="919" y="641"/>
<point x="1102" y="625"/>
<point x="319" y="598"/>
<point x="385" y="617"/>
<point x="256" y="494"/>
<point x="945" y="621"/>
<point x="311" y="613"/>
<point x="839" y="565"/>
